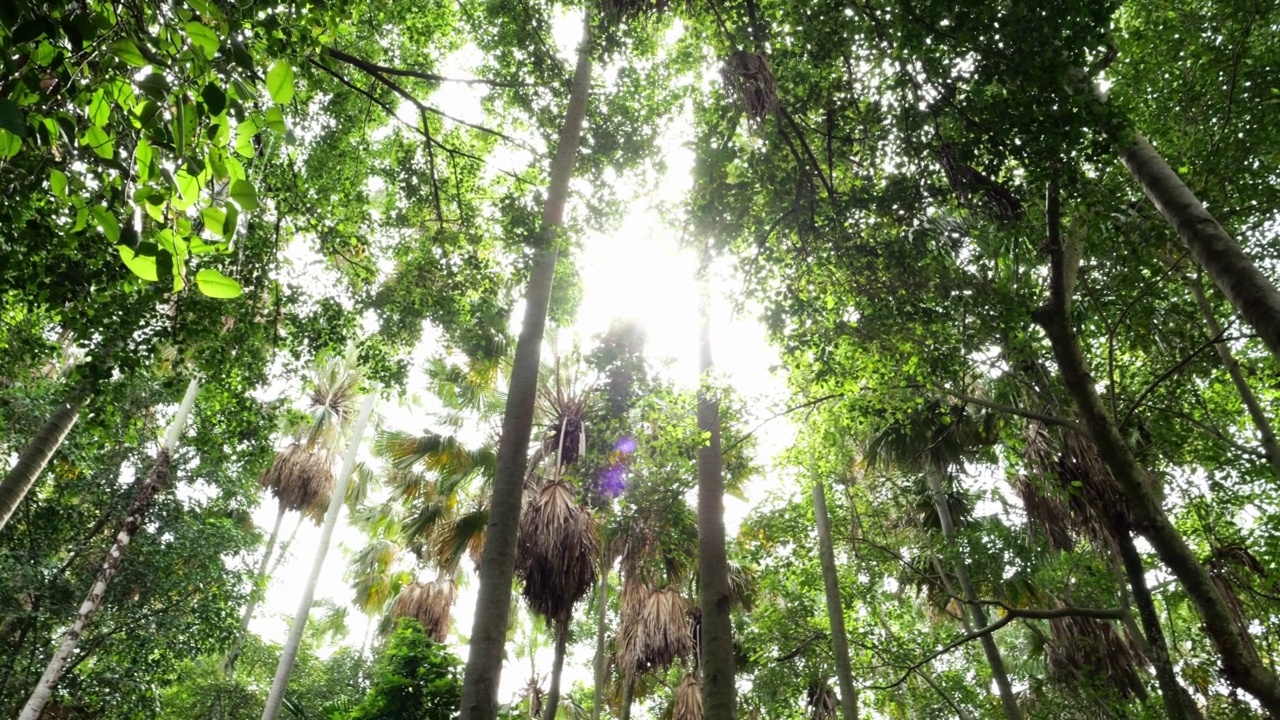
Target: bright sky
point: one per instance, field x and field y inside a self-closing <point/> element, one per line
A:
<point x="636" y="270"/>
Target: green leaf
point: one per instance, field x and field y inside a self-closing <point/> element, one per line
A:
<point x="233" y="220"/>
<point x="100" y="109"/>
<point x="214" y="220"/>
<point x="127" y="50"/>
<point x="240" y="56"/>
<point x="280" y="82"/>
<point x="11" y="119"/>
<point x="275" y="119"/>
<point x="244" y="137"/>
<point x="216" y="285"/>
<point x="97" y="139"/>
<point x="10" y="144"/>
<point x="188" y="187"/>
<point x="203" y="38"/>
<point x="245" y="195"/>
<point x="58" y="183"/>
<point x="155" y="86"/>
<point x="214" y="99"/>
<point x="107" y="221"/>
<point x="141" y="265"/>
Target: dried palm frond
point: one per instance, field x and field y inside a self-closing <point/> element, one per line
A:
<point x="821" y="701"/>
<point x="301" y="480"/>
<point x="534" y="696"/>
<point x="654" y="630"/>
<point x="687" y="702"/>
<point x="556" y="552"/>
<point x="430" y="604"/>
<point x="748" y="74"/>
<point x="1226" y="565"/>
<point x="965" y="181"/>
<point x="1090" y="651"/>
<point x="462" y="534"/>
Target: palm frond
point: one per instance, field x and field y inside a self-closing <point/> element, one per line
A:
<point x="556" y="552"/>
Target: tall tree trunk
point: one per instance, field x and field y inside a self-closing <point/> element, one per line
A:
<point x="977" y="615"/>
<point x="602" y="618"/>
<point x="1251" y="292"/>
<point x="1270" y="446"/>
<point x="557" y="667"/>
<point x="497" y="568"/>
<point x="835" y="609"/>
<point x="259" y="589"/>
<point x="1239" y="665"/>
<point x="35" y="456"/>
<point x="336" y="497"/>
<point x="156" y="481"/>
<point x="1176" y="705"/>
<point x="719" y="695"/>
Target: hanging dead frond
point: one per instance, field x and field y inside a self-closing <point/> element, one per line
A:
<point x="430" y="604"/>
<point x="820" y="701"/>
<point x="301" y="480"/>
<point x="616" y="11"/>
<point x="1229" y="566"/>
<point x="654" y="630"/>
<point x="556" y="552"/>
<point x="966" y="181"/>
<point x="687" y="702"/>
<point x="1087" y="651"/>
<point x="748" y="75"/>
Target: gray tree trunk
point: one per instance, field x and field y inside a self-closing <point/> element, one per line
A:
<point x="1252" y="293"/>
<point x="557" y="667"/>
<point x="719" y="694"/>
<point x="835" y="609"/>
<point x="35" y="456"/>
<point x="977" y="615"/>
<point x="497" y="567"/>
<point x="259" y="589"/>
<point x="156" y="481"/>
<point x="290" y="651"/>
<point x="1239" y="666"/>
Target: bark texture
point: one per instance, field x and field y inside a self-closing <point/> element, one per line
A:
<point x="602" y="616"/>
<point x="719" y="695"/>
<point x="336" y="497"/>
<point x="1239" y="665"/>
<point x="1252" y="293"/>
<point x="835" y="608"/>
<point x="35" y="456"/>
<point x="497" y="568"/>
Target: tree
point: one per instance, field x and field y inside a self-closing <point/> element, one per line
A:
<point x="414" y="678"/>
<point x="484" y="663"/>
<point x="157" y="479"/>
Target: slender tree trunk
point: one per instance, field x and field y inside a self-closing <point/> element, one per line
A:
<point x="628" y="697"/>
<point x="835" y="609"/>
<point x="719" y="694"/>
<point x="978" y="616"/>
<point x="1239" y="666"/>
<point x="1270" y="446"/>
<point x="557" y="667"/>
<point x="1176" y="705"/>
<point x="259" y="589"/>
<point x="1252" y="293"/>
<point x="35" y="456"/>
<point x="497" y="567"/>
<point x="284" y="547"/>
<point x="602" y="617"/>
<point x="156" y="481"/>
<point x="336" y="497"/>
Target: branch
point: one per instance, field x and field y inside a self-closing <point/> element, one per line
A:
<point x="808" y="151"/>
<point x="420" y="74"/>
<point x="1029" y="414"/>
<point x="1010" y="615"/>
<point x="801" y="647"/>
<point x="1168" y="374"/>
<point x="775" y="416"/>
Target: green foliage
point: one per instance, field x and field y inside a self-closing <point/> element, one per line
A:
<point x="413" y="679"/>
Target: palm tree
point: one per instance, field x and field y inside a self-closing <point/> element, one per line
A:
<point x="36" y="455"/>
<point x="338" y="379"/>
<point x="157" y="480"/>
<point x="835" y="610"/>
<point x="300" y="476"/>
<point x="488" y="633"/>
